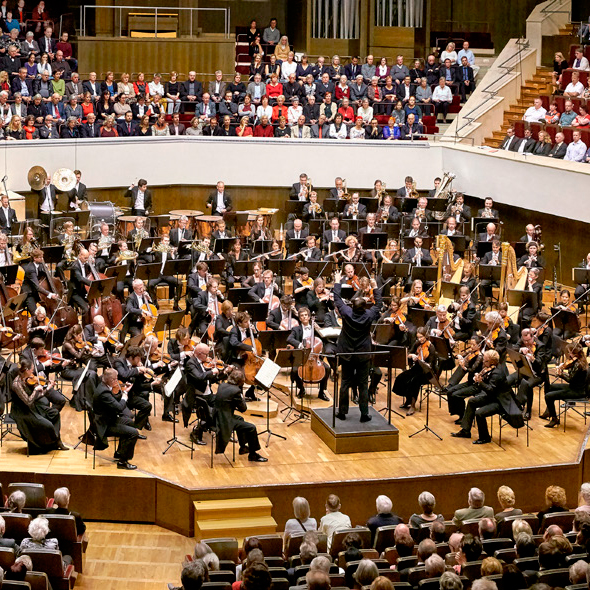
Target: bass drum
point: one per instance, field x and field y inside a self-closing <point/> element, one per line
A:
<point x="101" y="211"/>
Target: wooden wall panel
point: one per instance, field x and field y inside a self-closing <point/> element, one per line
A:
<point x="204" y="55"/>
<point x="329" y="47"/>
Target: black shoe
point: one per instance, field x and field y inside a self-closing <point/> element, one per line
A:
<point x="341" y="416"/>
<point x="482" y="441"/>
<point x="62" y="447"/>
<point x="256" y="458"/>
<point x="545" y="415"/>
<point x="194" y="437"/>
<point x="526" y="416"/>
<point x="458" y="421"/>
<point x="244" y="450"/>
<point x="372" y="398"/>
<point x="355" y="399"/>
<point x="461" y="434"/>
<point x="148" y="426"/>
<point x="552" y="423"/>
<point x="252" y="398"/>
<point x="125" y="465"/>
<point x="366" y="418"/>
<point x="141" y="436"/>
<point x="169" y="418"/>
<point x="117" y="456"/>
<point x="322" y="395"/>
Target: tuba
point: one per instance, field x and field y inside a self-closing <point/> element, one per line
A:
<point x="444" y="192"/>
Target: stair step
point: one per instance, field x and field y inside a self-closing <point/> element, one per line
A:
<point x="233" y="508"/>
<point x="235" y="527"/>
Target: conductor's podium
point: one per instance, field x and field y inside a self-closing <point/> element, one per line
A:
<point x="352" y="435"/>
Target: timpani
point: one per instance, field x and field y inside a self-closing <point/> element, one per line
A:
<point x="192" y="215"/>
<point x="125" y="224"/>
<point x="206" y="225"/>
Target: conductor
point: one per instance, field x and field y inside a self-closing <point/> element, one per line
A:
<point x="355" y="337"/>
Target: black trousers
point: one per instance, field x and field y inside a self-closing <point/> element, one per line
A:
<point x="56" y="398"/>
<point x="441" y="107"/>
<point x="526" y="389"/>
<point x="173" y="286"/>
<point x="477" y="401"/>
<point x="140" y="402"/>
<point x="375" y="375"/>
<point x="247" y="435"/>
<point x="301" y="385"/>
<point x="80" y="303"/>
<point x="456" y="397"/>
<point x="560" y="391"/>
<point x="482" y="413"/>
<point x="354" y="373"/>
<point x="123" y="429"/>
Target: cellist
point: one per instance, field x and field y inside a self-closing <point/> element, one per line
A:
<point x="301" y="337"/>
<point x="243" y="330"/>
<point x="35" y="272"/>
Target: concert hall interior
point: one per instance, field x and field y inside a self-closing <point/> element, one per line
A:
<point x="294" y="295"/>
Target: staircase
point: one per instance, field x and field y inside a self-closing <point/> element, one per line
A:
<point x="239" y="518"/>
<point x="539" y="84"/>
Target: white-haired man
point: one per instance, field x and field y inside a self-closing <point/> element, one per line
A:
<point x="61" y="505"/>
<point x="384" y="516"/>
<point x="476" y="500"/>
<point x="8" y="543"/>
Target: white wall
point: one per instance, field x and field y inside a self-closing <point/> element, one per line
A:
<point x="541" y="23"/>
<point x="558" y="188"/>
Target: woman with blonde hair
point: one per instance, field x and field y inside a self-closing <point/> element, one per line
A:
<point x="14" y="129"/>
<point x="244" y="129"/>
<point x="559" y="65"/>
<point x="108" y="128"/>
<point x="144" y="129"/>
<point x="543" y="145"/>
<point x="125" y="86"/>
<point x="507" y="500"/>
<point x="282" y="49"/>
<point x="555" y="500"/>
<point x="195" y="128"/>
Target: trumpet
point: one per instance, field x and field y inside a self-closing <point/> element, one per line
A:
<point x="353" y="209"/>
<point x="315" y="208"/>
<point x="487" y="213"/>
<point x="345" y="194"/>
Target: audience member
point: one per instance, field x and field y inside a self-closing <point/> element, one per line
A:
<point x="476" y="509"/>
<point x="16" y="502"/>
<point x="384" y="516"/>
<point x="9" y="543"/>
<point x="507" y="500"/>
<point x="333" y="520"/>
<point x="302" y="521"/>
<point x="427" y="503"/>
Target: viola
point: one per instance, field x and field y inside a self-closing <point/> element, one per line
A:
<point x="472" y="355"/>
<point x="422" y="300"/>
<point x="35" y="380"/>
<point x="190" y="347"/>
<point x="211" y="363"/>
<point x="82" y="345"/>
<point x="399" y="318"/>
<point x="46" y="322"/>
<point x="157" y="357"/>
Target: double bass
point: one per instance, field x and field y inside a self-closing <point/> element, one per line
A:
<point x="62" y="313"/>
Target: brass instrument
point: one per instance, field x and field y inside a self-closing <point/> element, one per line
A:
<point x="70" y="251"/>
<point x="345" y="194"/>
<point x="381" y="193"/>
<point x="164" y="248"/>
<point x="36" y="177"/>
<point x="315" y="208"/>
<point x="125" y="255"/>
<point x="487" y="213"/>
<point x="444" y="192"/>
<point x="140" y="235"/>
<point x="200" y="247"/>
<point x="105" y="242"/>
<point x="25" y="253"/>
<point x="353" y="209"/>
<point x="64" y="179"/>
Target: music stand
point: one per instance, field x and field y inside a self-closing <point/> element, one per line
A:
<point x="180" y="266"/>
<point x="55" y="338"/>
<point x="238" y="295"/>
<point x="315" y="226"/>
<point x="265" y="378"/>
<point x="14" y="305"/>
<point x="406" y="204"/>
<point x="216" y="267"/>
<point x="568" y="320"/>
<point x="295" y="245"/>
<point x="261" y="247"/>
<point x="334" y="247"/>
<point x="245" y="268"/>
<point x="436" y="205"/>
<point x="258" y="311"/>
<point x="291" y="358"/>
<point x="374" y="241"/>
<point x="282" y="268"/>
<point x="459" y="243"/>
<point x="346" y="292"/>
<point x="273" y="340"/>
<point x="427" y="274"/>
<point x="432" y="382"/>
<point x="371" y="203"/>
<point x="147" y="243"/>
<point x="396" y="358"/>
<point x="409" y="242"/>
<point x="294" y="207"/>
<point x="53" y="254"/>
<point x="581" y="276"/>
<point x="101" y="288"/>
<point x="478" y="221"/>
<point x="118" y="272"/>
<point x="334" y="206"/>
<point x="449" y="290"/>
<point x="519" y="249"/>
<point x="9" y="272"/>
<point x="482" y="249"/>
<point x="157" y="222"/>
<point x="360" y="269"/>
<point x="223" y="245"/>
<point x="395" y="270"/>
<point x="522" y="299"/>
<point x="392" y="229"/>
<point x="319" y="268"/>
<point x="148" y="272"/>
<point x="418" y="316"/>
<point x="490" y="272"/>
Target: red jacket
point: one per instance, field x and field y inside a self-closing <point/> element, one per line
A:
<point x="260" y="131"/>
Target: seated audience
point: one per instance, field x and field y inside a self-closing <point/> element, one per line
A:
<point x="476" y="509"/>
<point x="384" y="516"/>
<point x="427" y="503"/>
<point x="507" y="500"/>
<point x="333" y="520"/>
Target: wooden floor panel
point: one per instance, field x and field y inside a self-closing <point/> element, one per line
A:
<point x="304" y="458"/>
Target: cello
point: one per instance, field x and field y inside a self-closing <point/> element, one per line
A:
<point x="61" y="313"/>
<point x="313" y="371"/>
<point x="108" y="307"/>
<point x="253" y="358"/>
<point x="13" y="329"/>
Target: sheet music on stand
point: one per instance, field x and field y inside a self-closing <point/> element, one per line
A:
<point x="82" y="376"/>
<point x="173" y="382"/>
<point x="267" y="373"/>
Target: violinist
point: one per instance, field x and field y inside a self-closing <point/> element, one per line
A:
<point x="417" y="297"/>
<point x="493" y="258"/>
<point x="529" y="310"/>
<point x="35" y="272"/>
<point x="312" y="209"/>
<point x="532" y="259"/>
<point x="104" y="343"/>
<point x="301" y="337"/>
<point x="417" y="255"/>
<point x="258" y="231"/>
<point x="224" y="322"/>
<point x="574" y="372"/>
<point x="205" y="309"/>
<point x="302" y="285"/>
<point x="38" y="325"/>
<point x="310" y="251"/>
<point x="512" y="330"/>
<point x="78" y="282"/>
<point x="440" y="326"/>
<point x="157" y="362"/>
<point x="199" y="394"/>
<point x="243" y="330"/>
<point x="469" y="364"/>
<point x="36" y="418"/>
<point x="493" y="396"/>
<point x="180" y="347"/>
<point x="319" y="301"/>
<point x="365" y="290"/>
<point x="134" y="321"/>
<point x="350" y="279"/>
<point x="36" y="353"/>
<point x="229" y="399"/>
<point x="112" y="418"/>
<point x="541" y="324"/>
<point x="464" y="313"/>
<point x="265" y="291"/>
<point x="132" y="371"/>
<point x="76" y="349"/>
<point x="162" y="253"/>
<point x="235" y="254"/>
<point x="565" y="304"/>
<point x="128" y="258"/>
<point x="495" y="336"/>
<point x="181" y="234"/>
<point x="387" y="213"/>
<point x="284" y="316"/>
<point x="256" y="276"/>
<point x="423" y="363"/>
<point x="538" y="356"/>
<point x="395" y="317"/>
<point x="6" y="258"/>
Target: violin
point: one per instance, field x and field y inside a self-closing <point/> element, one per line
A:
<point x="82" y="345"/>
<point x="48" y="324"/>
<point x="190" y="347"/>
<point x="55" y="358"/>
<point x="35" y="380"/>
<point x="353" y="282"/>
<point x="120" y="386"/>
<point x="213" y="363"/>
<point x="422" y="300"/>
<point x="399" y="319"/>
<point x="566" y="365"/>
<point x="157" y="357"/>
<point x="149" y="375"/>
<point x="424" y="350"/>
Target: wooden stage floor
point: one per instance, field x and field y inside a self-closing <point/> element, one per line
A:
<point x="304" y="458"/>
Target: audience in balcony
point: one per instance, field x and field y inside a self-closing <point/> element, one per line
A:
<point x="580" y="62"/>
<point x="575" y="89"/>
<point x="576" y="149"/>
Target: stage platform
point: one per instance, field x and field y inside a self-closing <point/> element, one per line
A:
<point x="353" y="436"/>
<point x="162" y="490"/>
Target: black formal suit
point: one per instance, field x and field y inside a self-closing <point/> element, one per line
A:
<point x="7" y="219"/>
<point x="328" y="237"/>
<point x="461" y="78"/>
<point x="110" y="416"/>
<point x="275" y="317"/>
<point x="539" y="262"/>
<point x="89" y="131"/>
<point x="426" y="216"/>
<point x="91" y="336"/>
<point x="308" y="214"/>
<point x="290" y="234"/>
<point x="425" y="260"/>
<point x="256" y="293"/>
<point x="393" y="215"/>
<point x="511" y="144"/>
<point x="94" y="90"/>
<point x="174" y="285"/>
<point x="177" y="236"/>
<point x="465" y="320"/>
<point x="212" y="201"/>
<point x="352" y="71"/>
<point x="529" y="311"/>
<point x="355" y="337"/>
<point x="131" y="193"/>
<point x="484" y="237"/>
<point x="32" y="287"/>
<point x="493" y="211"/>
<point x="485" y="288"/>
<point x="453" y="81"/>
<point x="185" y="92"/>
<point x="139" y="393"/>
<point x="42" y="195"/>
<point x="198" y="378"/>
<point x="542" y="149"/>
<point x="313" y="254"/>
<point x="401" y="92"/>
<point x="80" y="192"/>
<point x="558" y="151"/>
<point x="527" y="145"/>
<point x="201" y="317"/>
<point x="362" y="211"/>
<point x="77" y="284"/>
<point x="126" y="129"/>
<point x="464" y="215"/>
<point x="133" y="324"/>
<point x="294" y="192"/>
<point x="69" y="133"/>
